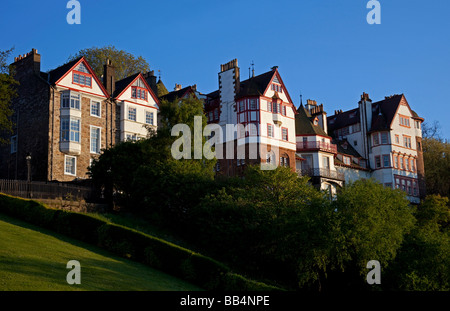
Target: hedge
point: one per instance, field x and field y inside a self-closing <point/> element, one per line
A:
<point x="162" y="255"/>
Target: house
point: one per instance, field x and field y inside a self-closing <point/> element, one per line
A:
<point x="387" y="138"/>
<point x="316" y="153"/>
<point x="256" y="117"/>
<point x="62" y="120"/>
<point x="137" y="105"/>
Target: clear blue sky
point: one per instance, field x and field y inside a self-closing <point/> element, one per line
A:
<point x="325" y="49"/>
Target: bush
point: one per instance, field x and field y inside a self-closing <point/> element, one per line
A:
<point x="125" y="242"/>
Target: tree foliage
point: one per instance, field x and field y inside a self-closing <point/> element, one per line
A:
<point x="7" y="93"/>
<point x="125" y="64"/>
<point x="144" y="175"/>
<point x="436" y="157"/>
<point x="423" y="263"/>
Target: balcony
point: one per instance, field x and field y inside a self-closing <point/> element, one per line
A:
<point x="316" y="146"/>
<point x="321" y="172"/>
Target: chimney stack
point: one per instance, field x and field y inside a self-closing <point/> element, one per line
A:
<point x="28" y="63"/>
<point x="109" y="79"/>
<point x="229" y="81"/>
<point x="151" y="80"/>
<point x="177" y="87"/>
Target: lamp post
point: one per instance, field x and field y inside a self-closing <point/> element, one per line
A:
<point x="28" y="158"/>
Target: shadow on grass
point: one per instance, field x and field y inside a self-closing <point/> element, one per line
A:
<point x="114" y="273"/>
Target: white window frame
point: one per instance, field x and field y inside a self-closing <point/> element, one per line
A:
<point x="135" y="114"/>
<point x="99" y="142"/>
<point x="99" y="109"/>
<point x="67" y="95"/>
<point x="70" y="129"/>
<point x="66" y="157"/>
<point x="147" y="113"/>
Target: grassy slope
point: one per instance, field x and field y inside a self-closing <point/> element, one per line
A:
<point x="34" y="259"/>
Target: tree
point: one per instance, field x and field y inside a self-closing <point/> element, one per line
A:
<point x="436" y="157"/>
<point x="423" y="262"/>
<point x="373" y="221"/>
<point x="7" y="93"/>
<point x="144" y="175"/>
<point x="271" y="224"/>
<point x="125" y="64"/>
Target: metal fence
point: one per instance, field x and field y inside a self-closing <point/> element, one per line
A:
<point x="321" y="172"/>
<point x="45" y="190"/>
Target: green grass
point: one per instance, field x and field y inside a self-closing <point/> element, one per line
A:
<point x="34" y="259"/>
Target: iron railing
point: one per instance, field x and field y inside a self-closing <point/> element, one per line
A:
<point x="315" y="146"/>
<point x="321" y="172"/>
<point x="45" y="190"/>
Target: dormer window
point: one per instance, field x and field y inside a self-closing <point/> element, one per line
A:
<point x="82" y="76"/>
<point x="138" y="93"/>
<point x="316" y="121"/>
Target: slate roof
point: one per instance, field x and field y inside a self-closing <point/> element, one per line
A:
<point x="383" y="112"/>
<point x="57" y="73"/>
<point x="124" y="83"/>
<point x="304" y="125"/>
<point x="171" y="96"/>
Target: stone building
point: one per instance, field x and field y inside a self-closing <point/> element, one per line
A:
<point x="62" y="119"/>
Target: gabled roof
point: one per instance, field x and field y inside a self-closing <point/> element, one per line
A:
<point x="343" y="119"/>
<point x="121" y="85"/>
<point x="304" y="126"/>
<point x="255" y="86"/>
<point x="383" y="112"/>
<point x="171" y="96"/>
<point x="125" y="83"/>
<point x="344" y="147"/>
<point x="57" y="74"/>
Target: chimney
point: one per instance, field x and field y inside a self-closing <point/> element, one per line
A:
<point x="151" y="80"/>
<point x="229" y="81"/>
<point x="365" y="112"/>
<point x="177" y="87"/>
<point x="109" y="79"/>
<point x="28" y="63"/>
<point x="310" y="104"/>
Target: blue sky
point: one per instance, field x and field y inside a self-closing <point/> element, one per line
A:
<point x="325" y="49"/>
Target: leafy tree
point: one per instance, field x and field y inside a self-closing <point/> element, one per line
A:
<point x="271" y="223"/>
<point x="125" y="64"/>
<point x="145" y="176"/>
<point x="423" y="262"/>
<point x="436" y="157"/>
<point x="7" y="93"/>
<point x="373" y="221"/>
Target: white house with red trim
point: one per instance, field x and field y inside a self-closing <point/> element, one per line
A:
<point x="257" y="117"/>
<point x="386" y="137"/>
<point x="137" y="107"/>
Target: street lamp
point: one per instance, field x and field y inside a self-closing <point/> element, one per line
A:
<point x="28" y="158"/>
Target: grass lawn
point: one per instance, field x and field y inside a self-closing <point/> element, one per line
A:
<point x="34" y="259"/>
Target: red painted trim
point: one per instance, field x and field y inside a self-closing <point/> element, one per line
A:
<point x="146" y="84"/>
<point x="284" y="89"/>
<point x="105" y="93"/>
<point x="128" y="101"/>
<point x="81" y="91"/>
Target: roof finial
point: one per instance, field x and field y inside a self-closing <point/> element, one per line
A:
<point x="159" y="74"/>
<point x="301" y="99"/>
<point x="253" y="69"/>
